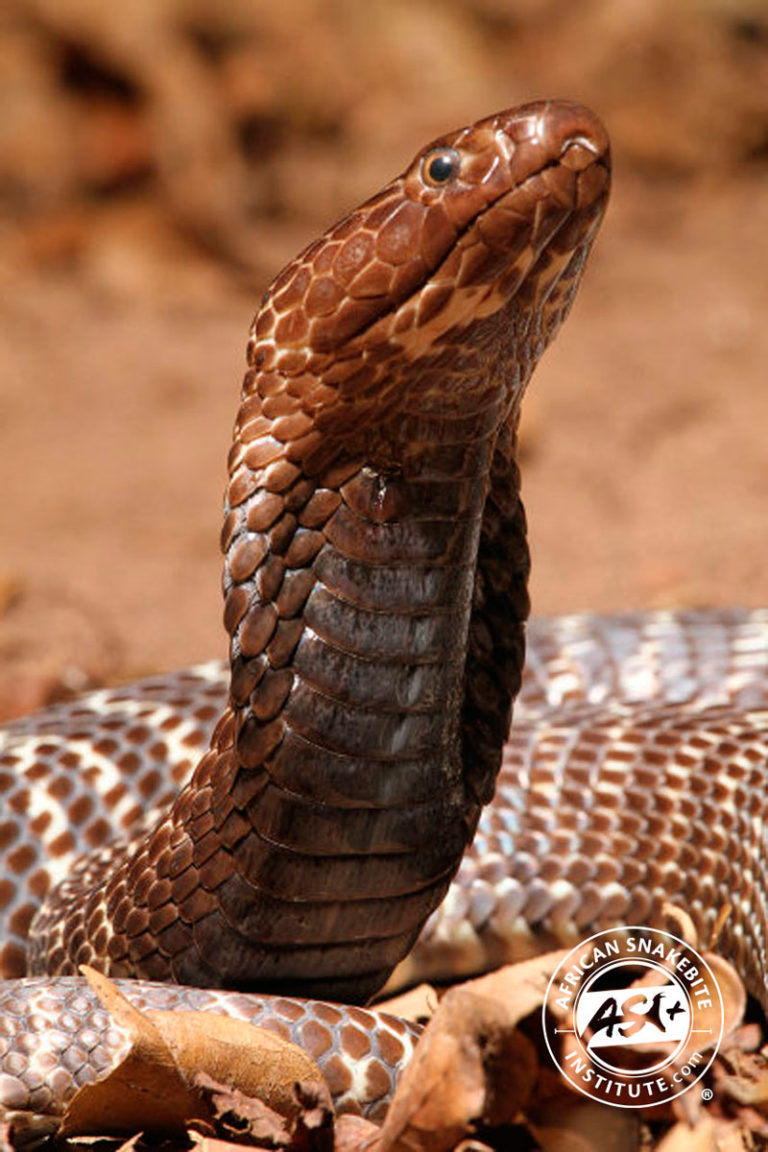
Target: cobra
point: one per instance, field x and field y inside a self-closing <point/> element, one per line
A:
<point x="375" y="599"/>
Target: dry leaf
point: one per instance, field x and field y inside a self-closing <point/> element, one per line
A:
<point x="237" y="1115"/>
<point x="522" y="987"/>
<point x="129" y="1144"/>
<point x="313" y="1129"/>
<point x="154" y="1087"/>
<point x="732" y="1137"/>
<point x="748" y="1083"/>
<point x="473" y="1146"/>
<point x="355" y="1134"/>
<point x="571" y="1123"/>
<point x="213" y="1144"/>
<point x="684" y="1138"/>
<point x="732" y="991"/>
<point x="25" y="1129"/>
<point x="417" y="1004"/>
<point x="471" y="1066"/>
<point x="245" y="1119"/>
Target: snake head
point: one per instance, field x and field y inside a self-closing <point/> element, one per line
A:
<point x="441" y="291"/>
<point x="448" y="242"/>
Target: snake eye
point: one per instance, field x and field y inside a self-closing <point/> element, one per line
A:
<point x="440" y="166"/>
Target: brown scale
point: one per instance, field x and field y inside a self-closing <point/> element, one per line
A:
<point x="375" y="582"/>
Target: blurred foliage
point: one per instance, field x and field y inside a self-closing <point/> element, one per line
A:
<point x="231" y="114"/>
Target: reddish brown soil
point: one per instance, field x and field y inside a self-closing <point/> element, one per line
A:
<point x="125" y="317"/>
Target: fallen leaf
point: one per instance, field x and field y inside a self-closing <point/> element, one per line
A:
<point x="732" y="990"/>
<point x="473" y="1146"/>
<point x="355" y="1134"/>
<point x="242" y="1117"/>
<point x="416" y="1004"/>
<point x="684" y="1138"/>
<point x="520" y="987"/>
<point x="129" y="1144"/>
<point x="471" y="1066"/>
<point x="732" y="1137"/>
<point x="313" y="1129"/>
<point x="25" y="1129"/>
<point x="155" y="1087"/>
<point x="747" y="1080"/>
<point x="237" y="1115"/>
<point x="570" y="1123"/>
<point x="214" y="1144"/>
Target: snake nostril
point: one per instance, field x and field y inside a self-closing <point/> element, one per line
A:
<point x="578" y="153"/>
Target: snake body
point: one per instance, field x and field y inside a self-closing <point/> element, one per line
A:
<point x="375" y="583"/>
<point x="375" y="599"/>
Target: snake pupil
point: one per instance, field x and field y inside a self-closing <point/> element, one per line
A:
<point x="441" y="166"/>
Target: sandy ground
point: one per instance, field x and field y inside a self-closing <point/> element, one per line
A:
<point x="121" y="348"/>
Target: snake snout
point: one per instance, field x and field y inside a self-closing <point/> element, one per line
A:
<point x="578" y="153"/>
<point x="559" y="129"/>
<point x="566" y="145"/>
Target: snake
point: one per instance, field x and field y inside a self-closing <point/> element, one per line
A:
<point x="272" y="836"/>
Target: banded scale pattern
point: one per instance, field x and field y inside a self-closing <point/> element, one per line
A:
<point x="55" y="1037"/>
<point x="542" y="867"/>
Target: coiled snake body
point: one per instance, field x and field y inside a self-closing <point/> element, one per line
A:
<point x="375" y="598"/>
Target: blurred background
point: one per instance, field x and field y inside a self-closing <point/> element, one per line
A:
<point x="160" y="162"/>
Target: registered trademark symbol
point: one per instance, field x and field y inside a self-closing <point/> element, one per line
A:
<point x="706" y="1094"/>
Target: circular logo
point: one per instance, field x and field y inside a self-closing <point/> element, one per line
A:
<point x="633" y="1017"/>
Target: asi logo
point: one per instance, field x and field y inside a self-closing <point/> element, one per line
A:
<point x="633" y="1017"/>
